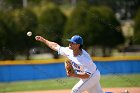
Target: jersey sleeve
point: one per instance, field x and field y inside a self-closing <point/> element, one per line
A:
<point x="63" y="51"/>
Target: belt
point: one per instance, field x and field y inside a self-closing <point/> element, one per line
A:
<point x="93" y="72"/>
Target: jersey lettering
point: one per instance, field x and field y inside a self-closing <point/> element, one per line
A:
<point x="75" y="65"/>
<point x="77" y="68"/>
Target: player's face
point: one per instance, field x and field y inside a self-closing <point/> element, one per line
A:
<point x="73" y="46"/>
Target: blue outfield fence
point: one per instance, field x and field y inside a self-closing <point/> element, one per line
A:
<point x="119" y="67"/>
<point x="31" y="72"/>
<point x="20" y="72"/>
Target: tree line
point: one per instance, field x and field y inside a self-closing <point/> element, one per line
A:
<point x="96" y="24"/>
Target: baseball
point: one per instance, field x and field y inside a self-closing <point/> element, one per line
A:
<point x="29" y="33"/>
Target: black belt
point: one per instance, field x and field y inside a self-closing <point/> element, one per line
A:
<point x="92" y="73"/>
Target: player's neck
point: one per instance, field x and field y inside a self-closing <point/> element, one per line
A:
<point x="77" y="52"/>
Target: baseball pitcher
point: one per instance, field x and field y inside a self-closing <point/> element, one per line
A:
<point x="78" y="64"/>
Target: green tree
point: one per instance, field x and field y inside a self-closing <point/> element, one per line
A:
<point x="136" y="38"/>
<point x="7" y="36"/>
<point x="3" y="35"/>
<point x="104" y="27"/>
<point x="52" y="22"/>
<point x="14" y="3"/>
<point x="76" y="23"/>
<point x="97" y="25"/>
<point x="3" y="27"/>
<point x="126" y="8"/>
<point x="25" y="20"/>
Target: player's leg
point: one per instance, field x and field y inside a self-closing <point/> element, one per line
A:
<point x="86" y="84"/>
<point x="75" y="89"/>
<point x="95" y="89"/>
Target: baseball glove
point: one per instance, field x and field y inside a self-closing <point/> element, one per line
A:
<point x="68" y="67"/>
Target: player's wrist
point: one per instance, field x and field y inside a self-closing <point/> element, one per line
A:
<point x="43" y="40"/>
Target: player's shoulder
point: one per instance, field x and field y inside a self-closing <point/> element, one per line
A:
<point x="65" y="49"/>
<point x="86" y="55"/>
<point x="85" y="52"/>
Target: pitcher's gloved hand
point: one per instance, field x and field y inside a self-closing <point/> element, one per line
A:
<point x="69" y="68"/>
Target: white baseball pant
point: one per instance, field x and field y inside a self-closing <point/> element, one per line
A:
<point x="91" y="85"/>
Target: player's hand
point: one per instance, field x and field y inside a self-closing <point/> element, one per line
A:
<point x="70" y="74"/>
<point x="40" y="38"/>
<point x="69" y="69"/>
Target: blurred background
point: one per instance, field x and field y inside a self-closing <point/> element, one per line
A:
<point x="110" y="29"/>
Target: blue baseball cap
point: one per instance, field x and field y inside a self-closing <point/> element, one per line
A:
<point x="76" y="39"/>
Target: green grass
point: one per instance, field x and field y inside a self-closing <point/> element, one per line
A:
<point x="120" y="80"/>
<point x="68" y="83"/>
